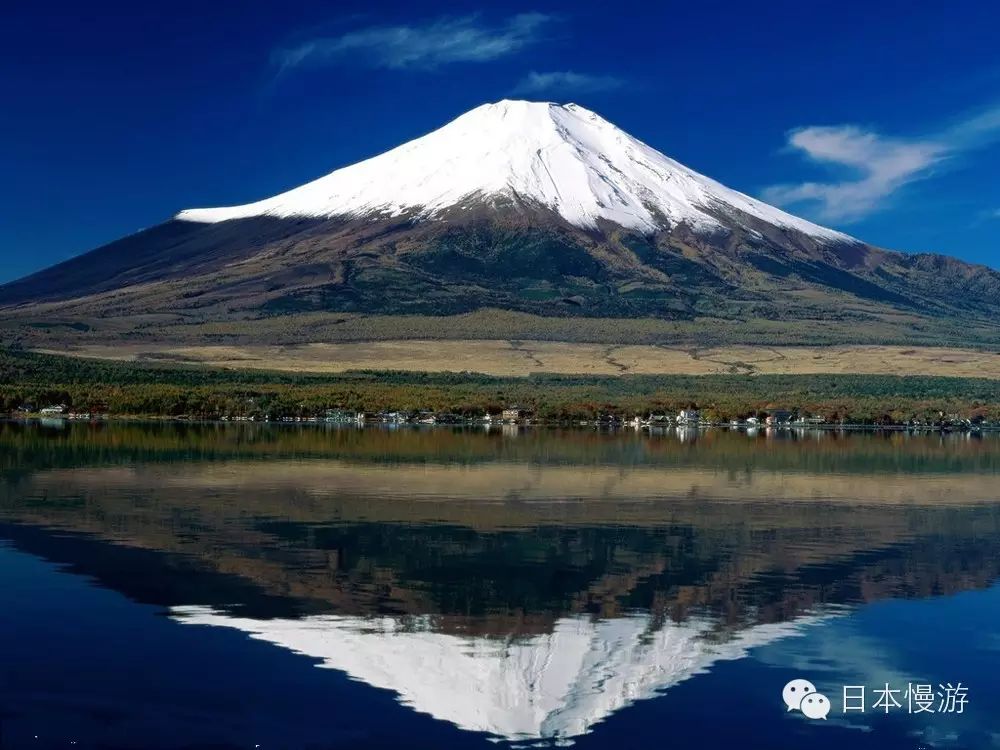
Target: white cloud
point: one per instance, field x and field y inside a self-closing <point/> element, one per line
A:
<point x="884" y="165"/>
<point x="567" y="82"/>
<point x="880" y="165"/>
<point x="447" y="40"/>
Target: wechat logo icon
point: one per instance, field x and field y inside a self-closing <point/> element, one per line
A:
<point x="801" y="695"/>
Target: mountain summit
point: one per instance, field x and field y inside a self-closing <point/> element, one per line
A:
<point x="563" y="158"/>
<point x="512" y="208"/>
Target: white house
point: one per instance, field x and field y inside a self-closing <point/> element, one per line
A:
<point x="689" y="417"/>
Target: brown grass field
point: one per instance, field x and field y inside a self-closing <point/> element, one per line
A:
<point x="508" y="357"/>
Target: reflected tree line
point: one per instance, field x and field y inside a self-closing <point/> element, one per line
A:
<point x="26" y="447"/>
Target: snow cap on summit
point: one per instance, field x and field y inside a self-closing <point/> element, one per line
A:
<point x="563" y="158"/>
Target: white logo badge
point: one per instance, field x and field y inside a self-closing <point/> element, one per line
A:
<point x="801" y="695"/>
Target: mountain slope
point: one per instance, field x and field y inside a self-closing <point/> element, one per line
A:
<point x="530" y="207"/>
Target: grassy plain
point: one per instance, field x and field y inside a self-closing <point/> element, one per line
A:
<point x="506" y="357"/>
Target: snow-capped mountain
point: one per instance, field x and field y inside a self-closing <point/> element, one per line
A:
<point x="517" y="206"/>
<point x="554" y="686"/>
<point x="560" y="157"/>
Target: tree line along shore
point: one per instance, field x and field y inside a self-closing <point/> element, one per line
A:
<point x="31" y="382"/>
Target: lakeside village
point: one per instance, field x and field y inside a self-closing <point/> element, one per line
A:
<point x="514" y="416"/>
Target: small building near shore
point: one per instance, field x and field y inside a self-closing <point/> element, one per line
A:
<point x="688" y="417"/>
<point x="515" y="414"/>
<point x="806" y="419"/>
<point x="344" y="416"/>
<point x="779" y="417"/>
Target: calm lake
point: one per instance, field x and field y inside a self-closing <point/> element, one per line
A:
<point x="254" y="586"/>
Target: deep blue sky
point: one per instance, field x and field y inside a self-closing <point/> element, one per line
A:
<point x="112" y="118"/>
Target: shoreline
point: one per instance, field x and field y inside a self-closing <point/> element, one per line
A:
<point x="579" y="425"/>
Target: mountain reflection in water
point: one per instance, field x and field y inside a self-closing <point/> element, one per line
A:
<point x="555" y="685"/>
<point x="524" y="586"/>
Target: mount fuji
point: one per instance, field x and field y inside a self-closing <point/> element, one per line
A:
<point x="516" y="208"/>
<point x="564" y="159"/>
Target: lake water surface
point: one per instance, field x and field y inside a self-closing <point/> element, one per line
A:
<point x="252" y="586"/>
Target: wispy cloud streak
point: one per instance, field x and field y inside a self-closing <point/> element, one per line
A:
<point x="440" y="42"/>
<point x="567" y="81"/>
<point x="880" y="165"/>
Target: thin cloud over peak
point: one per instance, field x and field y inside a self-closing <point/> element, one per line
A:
<point x="565" y="81"/>
<point x="882" y="164"/>
<point x="430" y="45"/>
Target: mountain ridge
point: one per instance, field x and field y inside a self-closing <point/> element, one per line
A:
<point x="532" y="208"/>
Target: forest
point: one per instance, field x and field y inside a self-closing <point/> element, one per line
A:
<point x="31" y="381"/>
